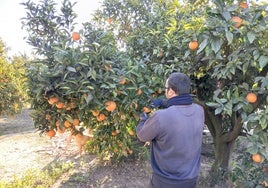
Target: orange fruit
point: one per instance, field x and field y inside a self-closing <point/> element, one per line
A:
<point x="67" y="124"/>
<point x="134" y="105"/>
<point x="118" y="92"/>
<point x="122" y="81"/>
<point x="60" y="105"/>
<point x="146" y="109"/>
<point x="161" y="53"/>
<point x="109" y="20"/>
<point x="237" y="21"/>
<point x="193" y="45"/>
<point x="57" y="123"/>
<point x="95" y="112"/>
<point x="131" y="132"/>
<point x="51" y="133"/>
<point x="48" y="117"/>
<point x="114" y="133"/>
<point x="53" y="100"/>
<point x="257" y="158"/>
<point x="76" y="122"/>
<point x="243" y="5"/>
<point x="79" y="136"/>
<point x="101" y="117"/>
<point x="251" y="97"/>
<point x="139" y="92"/>
<point x="75" y="36"/>
<point x="110" y="106"/>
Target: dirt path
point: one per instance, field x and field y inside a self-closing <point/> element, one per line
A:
<point x="23" y="148"/>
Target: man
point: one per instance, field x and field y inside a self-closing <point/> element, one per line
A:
<point x="175" y="133"/>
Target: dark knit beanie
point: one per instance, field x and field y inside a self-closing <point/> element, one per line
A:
<point x="179" y="82"/>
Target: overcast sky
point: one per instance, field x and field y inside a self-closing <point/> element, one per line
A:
<point x="11" y="11"/>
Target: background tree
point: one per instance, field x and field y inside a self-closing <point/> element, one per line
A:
<point x="12" y="82"/>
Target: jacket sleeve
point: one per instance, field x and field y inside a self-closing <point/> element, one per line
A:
<point x="147" y="130"/>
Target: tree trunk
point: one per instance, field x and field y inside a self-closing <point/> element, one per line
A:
<point x="220" y="168"/>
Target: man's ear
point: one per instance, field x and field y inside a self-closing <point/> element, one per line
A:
<point x="171" y="93"/>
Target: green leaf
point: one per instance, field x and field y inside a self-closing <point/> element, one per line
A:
<point x="263" y="60"/>
<point x="229" y="36"/>
<point x="252" y="149"/>
<point x="218" y="111"/>
<point x="216" y="45"/>
<point x="203" y="44"/>
<point x="89" y="98"/>
<point x="213" y="104"/>
<point x="226" y="15"/>
<point x="71" y="69"/>
<point x="251" y="36"/>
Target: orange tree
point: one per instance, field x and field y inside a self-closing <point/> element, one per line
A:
<point x="12" y="79"/>
<point x="84" y="78"/>
<point x="230" y="61"/>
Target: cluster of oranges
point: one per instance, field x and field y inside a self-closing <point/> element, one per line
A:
<point x="236" y="19"/>
<point x="60" y="105"/>
<point x="55" y="101"/>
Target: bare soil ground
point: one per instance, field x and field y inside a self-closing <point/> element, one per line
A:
<point x="23" y="148"/>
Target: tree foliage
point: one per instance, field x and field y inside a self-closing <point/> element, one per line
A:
<point x="12" y="82"/>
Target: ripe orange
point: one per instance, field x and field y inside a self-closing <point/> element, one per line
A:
<point x="257" y="158"/>
<point x="134" y="105"/>
<point x="193" y="45"/>
<point x="131" y="132"/>
<point x="251" y="97"/>
<point x="110" y="106"/>
<point x="114" y="133"/>
<point x="101" y="117"/>
<point x="243" y="5"/>
<point x="122" y="81"/>
<point x="79" y="136"/>
<point x="146" y="109"/>
<point x="48" y="117"/>
<point x="57" y="123"/>
<point x="130" y="151"/>
<point x="237" y="21"/>
<point x="95" y="112"/>
<point x="75" y="36"/>
<point x="161" y="53"/>
<point x="139" y="92"/>
<point x="53" y="100"/>
<point x="76" y="122"/>
<point x="67" y="124"/>
<point x="60" y="105"/>
<point x="51" y="133"/>
<point x="109" y="20"/>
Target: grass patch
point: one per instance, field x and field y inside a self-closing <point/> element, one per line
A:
<point x="37" y="178"/>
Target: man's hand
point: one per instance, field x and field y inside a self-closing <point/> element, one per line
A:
<point x="144" y="116"/>
<point x="156" y="103"/>
<point x="159" y="103"/>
